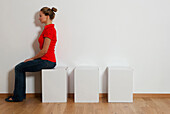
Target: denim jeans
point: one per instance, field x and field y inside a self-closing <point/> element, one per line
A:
<point x="30" y="66"/>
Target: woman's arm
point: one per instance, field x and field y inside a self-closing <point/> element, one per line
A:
<point x="43" y="51"/>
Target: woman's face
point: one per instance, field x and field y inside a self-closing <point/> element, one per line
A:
<point x="42" y="17"/>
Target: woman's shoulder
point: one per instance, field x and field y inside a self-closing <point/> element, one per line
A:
<point x="50" y="32"/>
<point x="50" y="29"/>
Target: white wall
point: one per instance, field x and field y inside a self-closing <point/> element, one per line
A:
<point x="91" y="32"/>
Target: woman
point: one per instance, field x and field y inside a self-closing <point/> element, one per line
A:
<point x="45" y="59"/>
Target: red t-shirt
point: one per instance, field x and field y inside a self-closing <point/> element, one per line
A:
<point x="50" y="32"/>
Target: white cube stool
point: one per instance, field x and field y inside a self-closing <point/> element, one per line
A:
<point x="86" y="84"/>
<point x="120" y="84"/>
<point x="54" y="85"/>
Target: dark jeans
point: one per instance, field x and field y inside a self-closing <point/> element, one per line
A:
<point x="30" y="66"/>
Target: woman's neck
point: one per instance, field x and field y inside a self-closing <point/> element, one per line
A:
<point x="49" y="22"/>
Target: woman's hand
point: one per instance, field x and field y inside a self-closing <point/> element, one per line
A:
<point x="28" y="60"/>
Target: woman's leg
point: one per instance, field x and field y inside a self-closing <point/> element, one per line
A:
<point x="30" y="66"/>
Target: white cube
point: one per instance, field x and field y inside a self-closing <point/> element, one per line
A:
<point x="120" y="84"/>
<point x="86" y="84"/>
<point x="54" y="85"/>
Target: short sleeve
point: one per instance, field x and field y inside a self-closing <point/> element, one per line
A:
<point x="48" y="33"/>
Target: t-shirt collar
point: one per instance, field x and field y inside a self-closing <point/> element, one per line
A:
<point x="49" y="25"/>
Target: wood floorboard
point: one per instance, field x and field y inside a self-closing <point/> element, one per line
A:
<point x="140" y="105"/>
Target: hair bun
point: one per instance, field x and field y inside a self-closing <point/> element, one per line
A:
<point x="54" y="9"/>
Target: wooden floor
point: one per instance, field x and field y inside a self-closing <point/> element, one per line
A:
<point x="35" y="106"/>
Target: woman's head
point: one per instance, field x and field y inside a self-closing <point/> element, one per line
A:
<point x="47" y="14"/>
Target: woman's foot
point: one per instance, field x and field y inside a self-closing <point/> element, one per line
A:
<point x="12" y="99"/>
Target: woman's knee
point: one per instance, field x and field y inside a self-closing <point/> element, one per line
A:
<point x="18" y="66"/>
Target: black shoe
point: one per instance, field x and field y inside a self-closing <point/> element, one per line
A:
<point x="13" y="99"/>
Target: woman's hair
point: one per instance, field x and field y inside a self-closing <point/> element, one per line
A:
<point x="48" y="11"/>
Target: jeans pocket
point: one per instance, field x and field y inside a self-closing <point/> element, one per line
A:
<point x="50" y="64"/>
